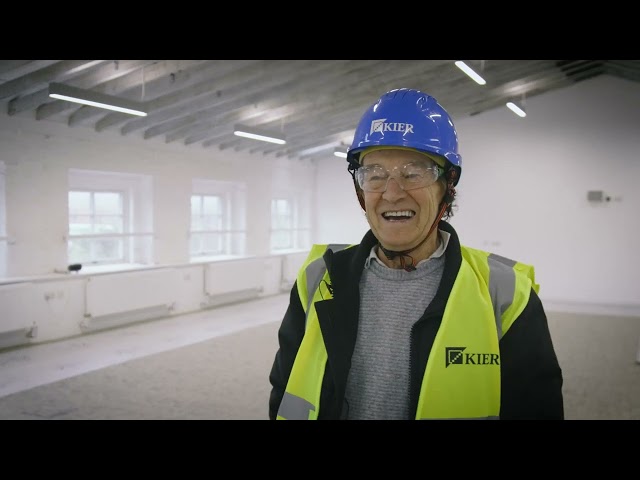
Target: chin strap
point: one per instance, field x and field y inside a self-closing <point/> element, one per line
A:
<point x="448" y="199"/>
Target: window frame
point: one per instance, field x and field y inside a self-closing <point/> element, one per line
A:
<point x="222" y="233"/>
<point x="233" y="231"/>
<point x="124" y="237"/>
<point x="137" y="204"/>
<point x="299" y="235"/>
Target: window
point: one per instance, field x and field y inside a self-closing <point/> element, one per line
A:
<point x="208" y="225"/>
<point x="96" y="228"/>
<point x="291" y="206"/>
<point x="289" y="224"/>
<point x="281" y="224"/>
<point x="109" y="218"/>
<point x="218" y="213"/>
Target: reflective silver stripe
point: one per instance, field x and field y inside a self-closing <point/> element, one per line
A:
<point x="315" y="272"/>
<point x="502" y="286"/>
<point x="336" y="247"/>
<point x="294" y="408"/>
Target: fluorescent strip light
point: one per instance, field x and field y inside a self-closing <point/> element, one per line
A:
<point x="339" y="152"/>
<point x="256" y="134"/>
<point x="469" y="71"/>
<point x="94" y="99"/>
<point x="516" y="109"/>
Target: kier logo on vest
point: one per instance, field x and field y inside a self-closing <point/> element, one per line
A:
<point x="456" y="356"/>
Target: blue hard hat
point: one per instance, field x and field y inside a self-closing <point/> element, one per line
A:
<point x="407" y="118"/>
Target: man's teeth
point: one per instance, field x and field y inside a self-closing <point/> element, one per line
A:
<point x="401" y="213"/>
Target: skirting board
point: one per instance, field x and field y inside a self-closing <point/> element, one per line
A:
<point x="92" y="324"/>
<point x="618" y="310"/>
<point x="17" y="337"/>
<point x="228" y="298"/>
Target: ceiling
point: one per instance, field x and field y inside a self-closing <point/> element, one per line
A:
<point x="314" y="103"/>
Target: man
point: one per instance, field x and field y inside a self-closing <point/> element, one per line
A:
<point x="409" y="323"/>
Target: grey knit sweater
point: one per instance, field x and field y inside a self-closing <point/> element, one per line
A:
<point x="391" y="301"/>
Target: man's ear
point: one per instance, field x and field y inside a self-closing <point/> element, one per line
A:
<point x="449" y="187"/>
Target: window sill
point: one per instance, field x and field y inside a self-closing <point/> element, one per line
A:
<point x="216" y="258"/>
<point x="287" y="251"/>
<point x="120" y="267"/>
<point x="85" y="271"/>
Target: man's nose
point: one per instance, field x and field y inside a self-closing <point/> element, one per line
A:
<point x="394" y="189"/>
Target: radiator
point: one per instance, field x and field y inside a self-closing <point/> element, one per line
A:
<point x="116" y="299"/>
<point x="19" y="309"/>
<point x="290" y="266"/>
<point x="233" y="281"/>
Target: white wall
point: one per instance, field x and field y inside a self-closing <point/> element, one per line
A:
<point x="38" y="154"/>
<point x="340" y="219"/>
<point x="523" y="192"/>
<point x="37" y="304"/>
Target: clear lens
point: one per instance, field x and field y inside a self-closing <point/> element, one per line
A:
<point x="375" y="178"/>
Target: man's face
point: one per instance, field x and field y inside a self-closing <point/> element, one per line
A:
<point x="400" y="219"/>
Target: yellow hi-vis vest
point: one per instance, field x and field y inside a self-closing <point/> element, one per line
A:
<point x="462" y="376"/>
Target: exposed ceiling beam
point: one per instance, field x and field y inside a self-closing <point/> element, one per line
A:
<point x="164" y="107"/>
<point x="315" y="103"/>
<point x="121" y="82"/>
<point x="103" y="73"/>
<point x="229" y="88"/>
<point x="202" y="129"/>
<point x="154" y="81"/>
<point x="10" y="69"/>
<point x="57" y="72"/>
<point x="286" y="93"/>
<point x="229" y="97"/>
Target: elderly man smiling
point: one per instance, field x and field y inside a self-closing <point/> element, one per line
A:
<point x="410" y="323"/>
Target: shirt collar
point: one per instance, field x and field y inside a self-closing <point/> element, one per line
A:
<point x="444" y="241"/>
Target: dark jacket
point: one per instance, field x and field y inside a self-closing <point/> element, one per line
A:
<point x="531" y="378"/>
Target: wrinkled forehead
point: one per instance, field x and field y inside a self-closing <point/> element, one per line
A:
<point x="391" y="157"/>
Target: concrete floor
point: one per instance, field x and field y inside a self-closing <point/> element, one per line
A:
<point x="214" y="365"/>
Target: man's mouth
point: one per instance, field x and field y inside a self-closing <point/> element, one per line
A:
<point x="396" y="215"/>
